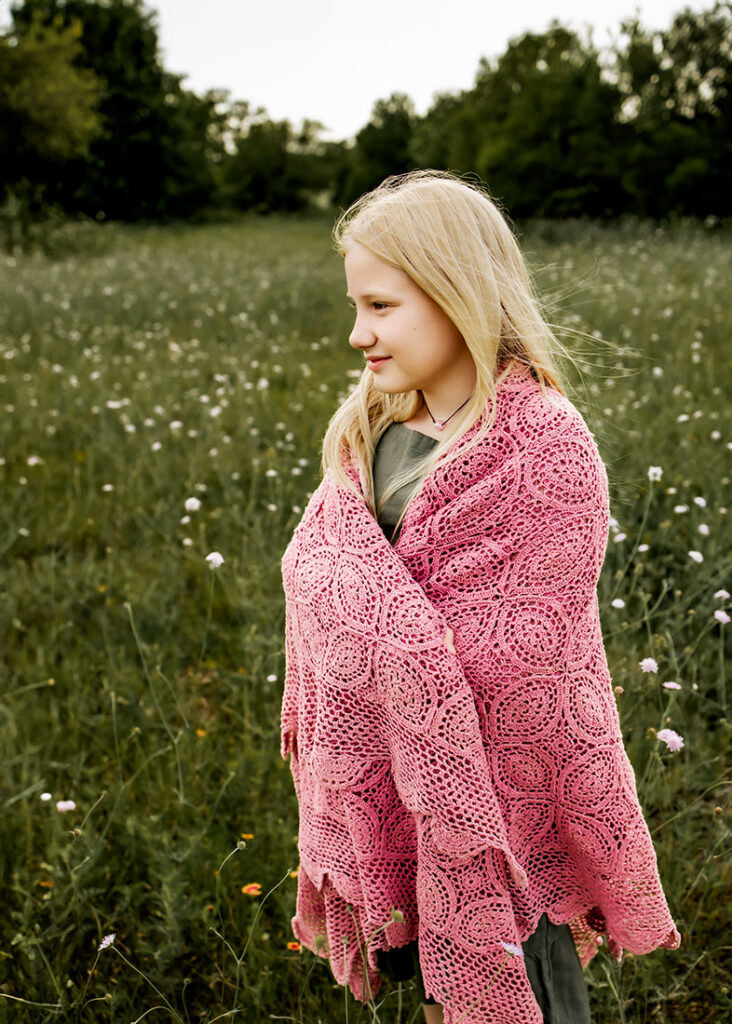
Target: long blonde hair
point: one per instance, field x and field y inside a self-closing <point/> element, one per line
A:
<point x="452" y="240"/>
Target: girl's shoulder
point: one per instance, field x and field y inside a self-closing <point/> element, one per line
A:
<point x="531" y="414"/>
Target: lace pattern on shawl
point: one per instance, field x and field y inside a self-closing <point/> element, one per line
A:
<point x="471" y="790"/>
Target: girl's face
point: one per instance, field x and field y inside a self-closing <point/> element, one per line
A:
<point x="408" y="341"/>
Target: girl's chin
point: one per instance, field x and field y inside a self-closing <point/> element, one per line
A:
<point x="390" y="387"/>
<point x="387" y="389"/>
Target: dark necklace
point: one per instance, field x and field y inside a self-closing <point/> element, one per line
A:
<point x="439" y="424"/>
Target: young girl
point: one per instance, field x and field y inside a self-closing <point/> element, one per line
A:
<point x="468" y="815"/>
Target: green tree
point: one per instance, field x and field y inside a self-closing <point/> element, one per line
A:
<point x="678" y="108"/>
<point x="382" y="147"/>
<point x="49" y="106"/>
<point x="433" y="136"/>
<point x="48" y="115"/>
<point x="544" y="128"/>
<point x="153" y="157"/>
<point x="272" y="165"/>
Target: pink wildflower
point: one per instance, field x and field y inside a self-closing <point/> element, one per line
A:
<point x="670" y="738"/>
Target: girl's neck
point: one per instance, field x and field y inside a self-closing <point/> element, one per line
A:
<point x="425" y="424"/>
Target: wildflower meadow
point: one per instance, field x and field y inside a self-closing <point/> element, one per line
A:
<point x="164" y="394"/>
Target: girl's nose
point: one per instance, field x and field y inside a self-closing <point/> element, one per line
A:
<point x="360" y="337"/>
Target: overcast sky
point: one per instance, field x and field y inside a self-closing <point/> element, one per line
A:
<point x="329" y="60"/>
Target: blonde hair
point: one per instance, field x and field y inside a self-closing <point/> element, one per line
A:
<point x="452" y="240"/>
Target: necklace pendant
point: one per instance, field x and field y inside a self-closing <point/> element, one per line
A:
<point x="439" y="424"/>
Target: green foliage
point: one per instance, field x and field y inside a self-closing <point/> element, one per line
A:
<point x="153" y="156"/>
<point x="274" y="166"/>
<point x="93" y="124"/>
<point x="48" y="106"/>
<point x="677" y="103"/>
<point x="545" y="135"/>
<point x="48" y="116"/>
<point x="558" y="129"/>
<point x="136" y="681"/>
<point x="382" y="147"/>
<point x="28" y="225"/>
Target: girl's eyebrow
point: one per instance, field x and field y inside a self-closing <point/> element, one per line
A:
<point x="368" y="295"/>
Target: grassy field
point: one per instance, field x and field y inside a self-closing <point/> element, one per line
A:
<point x="151" y="367"/>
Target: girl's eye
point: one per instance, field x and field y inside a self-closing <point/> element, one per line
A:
<point x="375" y="305"/>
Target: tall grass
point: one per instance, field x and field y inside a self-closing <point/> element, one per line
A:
<point x="145" y="686"/>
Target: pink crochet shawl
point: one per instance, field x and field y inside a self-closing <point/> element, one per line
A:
<point x="471" y="790"/>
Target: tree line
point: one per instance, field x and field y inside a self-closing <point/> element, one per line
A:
<point x="92" y="123"/>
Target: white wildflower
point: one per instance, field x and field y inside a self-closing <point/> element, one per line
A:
<point x="648" y="665"/>
<point x="106" y="941"/>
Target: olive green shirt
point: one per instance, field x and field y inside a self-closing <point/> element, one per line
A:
<point x="398" y="447"/>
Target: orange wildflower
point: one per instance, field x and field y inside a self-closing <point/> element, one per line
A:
<point x="294" y="946"/>
<point x="252" y="889"/>
<point x="247" y="835"/>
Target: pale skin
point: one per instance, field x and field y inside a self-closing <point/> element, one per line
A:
<point x="422" y="350"/>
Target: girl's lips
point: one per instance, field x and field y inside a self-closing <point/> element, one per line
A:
<point x="373" y="363"/>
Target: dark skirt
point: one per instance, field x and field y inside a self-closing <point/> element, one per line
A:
<point x="551" y="961"/>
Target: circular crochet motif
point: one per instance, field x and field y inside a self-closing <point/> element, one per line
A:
<point x="314" y="638"/>
<point x="563" y="482"/>
<point x="465" y="581"/>
<point x="530" y="824"/>
<point x="477" y="922"/>
<point x="399" y="836"/>
<point x="591" y="781"/>
<point x="567" y="550"/>
<point x="534" y="418"/>
<point x="589" y="708"/>
<point x="523" y="770"/>
<point x="595" y="850"/>
<point x="364" y="827"/>
<point x="449" y="723"/>
<point x="403" y="689"/>
<point x="454" y="477"/>
<point x="408" y="620"/>
<point x="437" y="908"/>
<point x="343" y="670"/>
<point x="356" y="595"/>
<point x="313" y="579"/>
<point x="530" y="708"/>
<point x="534" y="631"/>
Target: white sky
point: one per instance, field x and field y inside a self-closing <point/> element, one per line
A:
<point x="329" y="60"/>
